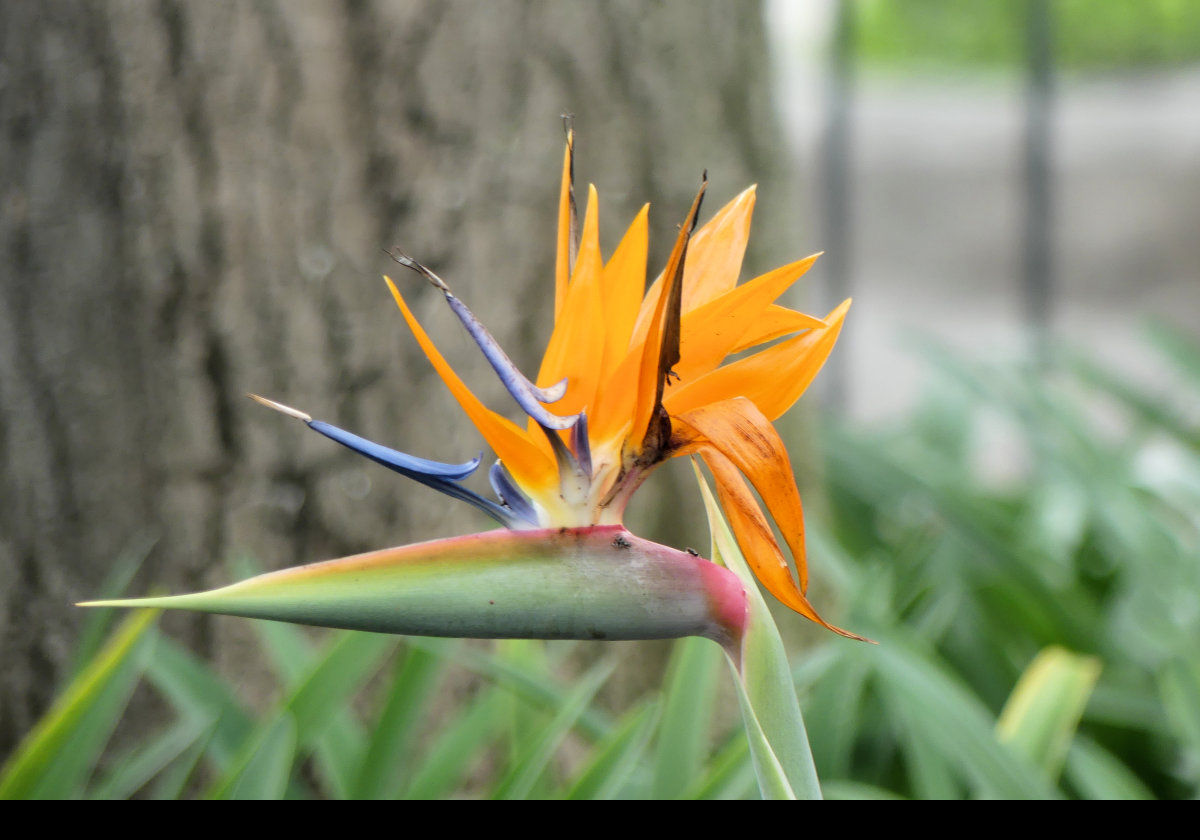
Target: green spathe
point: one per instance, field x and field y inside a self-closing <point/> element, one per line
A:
<point x="598" y="582"/>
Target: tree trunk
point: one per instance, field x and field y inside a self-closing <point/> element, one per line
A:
<point x="195" y="197"/>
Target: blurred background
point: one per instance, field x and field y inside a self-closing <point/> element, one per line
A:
<point x="1001" y="462"/>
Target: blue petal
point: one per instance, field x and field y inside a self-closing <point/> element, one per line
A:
<point x="527" y="395"/>
<point x="580" y="444"/>
<point x="409" y="465"/>
<point x="511" y="494"/>
<point x="434" y="474"/>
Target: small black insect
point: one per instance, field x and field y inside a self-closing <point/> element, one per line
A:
<point x="693" y="552"/>
<point x="620" y="542"/>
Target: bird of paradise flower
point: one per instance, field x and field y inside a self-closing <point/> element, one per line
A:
<point x="635" y="376"/>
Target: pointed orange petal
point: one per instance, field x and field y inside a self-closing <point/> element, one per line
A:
<point x="562" y="262"/>
<point x="712" y="331"/>
<point x="623" y="284"/>
<point x="775" y="322"/>
<point x="576" y="347"/>
<point x="713" y="265"/>
<point x="757" y="542"/>
<point x="773" y="378"/>
<point x="740" y="432"/>
<point x="615" y="401"/>
<point x="529" y="464"/>
<point x="716" y="251"/>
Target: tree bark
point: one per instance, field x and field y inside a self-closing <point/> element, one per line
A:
<point x="195" y="197"/>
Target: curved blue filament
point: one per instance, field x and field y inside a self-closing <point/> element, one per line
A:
<point x="434" y="474"/>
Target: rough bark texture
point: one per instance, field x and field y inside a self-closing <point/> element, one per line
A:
<point x="194" y="198"/>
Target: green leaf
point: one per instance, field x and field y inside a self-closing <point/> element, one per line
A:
<point x="269" y="770"/>
<point x="612" y="760"/>
<point x="683" y="732"/>
<point x="730" y="773"/>
<point x="197" y="693"/>
<point x="1179" y="688"/>
<point x="392" y="740"/>
<point x="1098" y="774"/>
<point x="953" y="721"/>
<point x="536" y="753"/>
<point x="1041" y="714"/>
<point x="309" y="709"/>
<point x="534" y="687"/>
<point x="846" y="790"/>
<point x="173" y="781"/>
<point x="773" y="781"/>
<point x="932" y="774"/>
<point x="139" y="766"/>
<point x="55" y="758"/>
<point x="770" y="709"/>
<point x="463" y="738"/>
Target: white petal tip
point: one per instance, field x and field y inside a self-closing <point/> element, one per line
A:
<point x="281" y="408"/>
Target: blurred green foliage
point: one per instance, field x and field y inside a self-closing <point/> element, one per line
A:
<point x="1037" y="627"/>
<point x="943" y="36"/>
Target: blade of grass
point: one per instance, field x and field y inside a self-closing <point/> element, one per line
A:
<point x="138" y="767"/>
<point x="381" y="773"/>
<point x="614" y="757"/>
<point x="1098" y="774"/>
<point x="930" y="772"/>
<point x="730" y="773"/>
<point x="464" y="738"/>
<point x="535" y="688"/>
<point x="349" y="659"/>
<point x="173" y="782"/>
<point x="269" y="770"/>
<point x="1179" y="688"/>
<point x="847" y="790"/>
<point x="684" y="731"/>
<point x="54" y="759"/>
<point x="1043" y="711"/>
<point x="198" y="693"/>
<point x="954" y="722"/>
<point x="525" y="721"/>
<point x="536" y="752"/>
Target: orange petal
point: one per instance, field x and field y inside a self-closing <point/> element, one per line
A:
<point x="757" y="542"/>
<point x="566" y="224"/>
<point x="740" y="432"/>
<point x="775" y="322"/>
<point x="716" y="251"/>
<point x="713" y="263"/>
<point x="773" y="378"/>
<point x="622" y="287"/>
<point x="712" y="331"/>
<point x="623" y="284"/>
<point x="530" y="466"/>
<point x="576" y="347"/>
